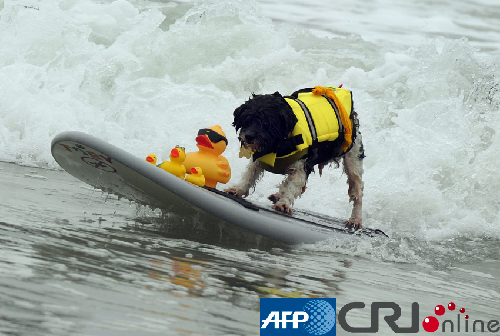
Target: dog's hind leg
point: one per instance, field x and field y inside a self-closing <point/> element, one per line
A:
<point x="353" y="167"/>
<point x="291" y="188"/>
<point x="248" y="180"/>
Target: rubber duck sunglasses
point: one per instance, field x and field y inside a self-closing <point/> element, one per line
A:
<point x="212" y="135"/>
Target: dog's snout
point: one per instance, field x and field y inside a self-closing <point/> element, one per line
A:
<point x="249" y="138"/>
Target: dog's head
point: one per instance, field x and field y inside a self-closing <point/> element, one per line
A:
<point x="263" y="121"/>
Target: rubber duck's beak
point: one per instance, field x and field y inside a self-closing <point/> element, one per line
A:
<point x="174" y="153"/>
<point x="194" y="171"/>
<point x="149" y="159"/>
<point x="204" y="141"/>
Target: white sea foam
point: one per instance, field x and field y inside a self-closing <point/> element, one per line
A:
<point x="146" y="76"/>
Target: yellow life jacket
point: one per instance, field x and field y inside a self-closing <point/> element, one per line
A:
<point x="322" y="116"/>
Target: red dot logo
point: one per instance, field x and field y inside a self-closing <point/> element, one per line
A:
<point x="439" y="310"/>
<point x="430" y="324"/>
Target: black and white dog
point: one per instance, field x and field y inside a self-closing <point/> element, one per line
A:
<point x="263" y="122"/>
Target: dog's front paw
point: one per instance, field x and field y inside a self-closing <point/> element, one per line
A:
<point x="353" y="223"/>
<point x="274" y="197"/>
<point x="236" y="192"/>
<point x="282" y="207"/>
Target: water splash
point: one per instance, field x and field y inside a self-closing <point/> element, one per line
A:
<point x="147" y="77"/>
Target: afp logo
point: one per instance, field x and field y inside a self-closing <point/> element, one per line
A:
<point x="297" y="317"/>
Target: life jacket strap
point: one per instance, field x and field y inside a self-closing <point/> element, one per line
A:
<point x="289" y="145"/>
<point x="295" y="95"/>
<point x="307" y="114"/>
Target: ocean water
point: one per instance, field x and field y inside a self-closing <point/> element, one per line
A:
<point x="146" y="75"/>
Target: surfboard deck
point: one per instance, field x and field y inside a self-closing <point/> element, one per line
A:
<point x="114" y="170"/>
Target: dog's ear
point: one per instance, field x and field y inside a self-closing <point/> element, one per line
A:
<point x="240" y="111"/>
<point x="285" y="112"/>
<point x="288" y="118"/>
<point x="237" y="115"/>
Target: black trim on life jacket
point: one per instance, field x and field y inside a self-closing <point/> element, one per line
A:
<point x="295" y="95"/>
<point x="289" y="145"/>
<point x="285" y="147"/>
<point x="336" y="109"/>
<point x="310" y="121"/>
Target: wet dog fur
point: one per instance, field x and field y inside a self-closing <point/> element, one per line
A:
<point x="262" y="122"/>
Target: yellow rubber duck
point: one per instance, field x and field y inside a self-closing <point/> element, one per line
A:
<point x="211" y="142"/>
<point x="151" y="159"/>
<point x="196" y="177"/>
<point x="175" y="166"/>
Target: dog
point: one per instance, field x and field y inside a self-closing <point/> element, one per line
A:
<point x="291" y="135"/>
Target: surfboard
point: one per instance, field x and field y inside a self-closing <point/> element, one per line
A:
<point x="114" y="170"/>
